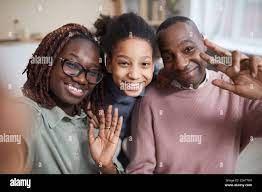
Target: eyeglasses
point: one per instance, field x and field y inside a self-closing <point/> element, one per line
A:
<point x="74" y="69"/>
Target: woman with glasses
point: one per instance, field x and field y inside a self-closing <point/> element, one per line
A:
<point x="60" y="139"/>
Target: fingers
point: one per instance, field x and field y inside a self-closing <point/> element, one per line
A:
<point x="224" y="85"/>
<point x="114" y="120"/>
<point x="254" y="64"/>
<point x="209" y="59"/>
<point x="94" y="123"/>
<point x="239" y="62"/>
<point x="236" y="61"/>
<point x="112" y="125"/>
<point x="91" y="136"/>
<point x="119" y="126"/>
<point x="101" y="122"/>
<point x="108" y="116"/>
<point x="217" y="64"/>
<point x="242" y="62"/>
<point x="237" y="57"/>
<point x="217" y="49"/>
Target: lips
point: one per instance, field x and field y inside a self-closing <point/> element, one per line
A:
<point x="131" y="86"/>
<point x="74" y="90"/>
<point x="185" y="72"/>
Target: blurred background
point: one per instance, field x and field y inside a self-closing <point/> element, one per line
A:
<point x="233" y="24"/>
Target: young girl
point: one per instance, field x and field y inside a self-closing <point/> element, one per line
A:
<point x="58" y="93"/>
<point x="128" y="44"/>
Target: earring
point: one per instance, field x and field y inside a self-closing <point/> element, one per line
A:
<point x="105" y="59"/>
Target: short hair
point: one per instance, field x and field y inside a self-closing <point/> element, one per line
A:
<point x="173" y="20"/>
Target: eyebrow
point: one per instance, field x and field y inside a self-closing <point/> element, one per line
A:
<point x="164" y="49"/>
<point x="123" y="56"/>
<point x="187" y="41"/>
<point x="77" y="57"/>
<point x="144" y="57"/>
<point x="74" y="55"/>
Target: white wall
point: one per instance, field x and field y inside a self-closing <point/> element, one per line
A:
<point x="39" y="16"/>
<point x="14" y="58"/>
<point x="46" y="15"/>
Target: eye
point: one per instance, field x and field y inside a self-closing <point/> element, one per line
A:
<point x="123" y="64"/>
<point x="189" y="50"/>
<point x="145" y="64"/>
<point x="71" y="64"/>
<point x="93" y="73"/>
<point x="167" y="57"/>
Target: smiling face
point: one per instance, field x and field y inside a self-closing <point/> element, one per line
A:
<point x="180" y="46"/>
<point x="132" y="66"/>
<point x="70" y="91"/>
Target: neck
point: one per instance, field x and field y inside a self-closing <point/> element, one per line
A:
<point x="69" y="109"/>
<point x="196" y="85"/>
<point x="201" y="80"/>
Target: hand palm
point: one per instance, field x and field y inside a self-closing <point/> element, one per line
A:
<point x="103" y="146"/>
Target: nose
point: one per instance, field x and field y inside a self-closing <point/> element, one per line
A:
<point x="180" y="63"/>
<point x="81" y="79"/>
<point x="134" y="73"/>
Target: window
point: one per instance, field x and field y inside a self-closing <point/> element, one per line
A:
<point x="233" y="24"/>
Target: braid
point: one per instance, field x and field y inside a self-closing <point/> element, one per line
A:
<point x="98" y="96"/>
<point x="38" y="75"/>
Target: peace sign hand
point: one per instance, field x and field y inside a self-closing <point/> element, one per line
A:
<point x="245" y="72"/>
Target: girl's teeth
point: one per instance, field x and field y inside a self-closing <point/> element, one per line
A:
<point x="132" y="86"/>
<point x="75" y="89"/>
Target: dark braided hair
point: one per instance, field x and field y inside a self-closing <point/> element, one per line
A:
<point x="38" y="75"/>
<point x="111" y="30"/>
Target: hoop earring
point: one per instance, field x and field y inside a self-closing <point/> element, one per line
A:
<point x="105" y="59"/>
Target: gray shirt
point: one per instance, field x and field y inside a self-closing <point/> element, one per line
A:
<point x="58" y="143"/>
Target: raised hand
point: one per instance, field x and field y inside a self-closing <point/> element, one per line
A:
<point x="103" y="146"/>
<point x="245" y="72"/>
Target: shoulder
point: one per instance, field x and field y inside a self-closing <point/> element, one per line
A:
<point x="23" y="100"/>
<point x="151" y="93"/>
<point x="32" y="109"/>
<point x="28" y="104"/>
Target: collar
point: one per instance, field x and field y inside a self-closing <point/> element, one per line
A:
<point x="178" y="85"/>
<point x="56" y="114"/>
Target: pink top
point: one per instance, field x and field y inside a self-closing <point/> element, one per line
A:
<point x="192" y="131"/>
